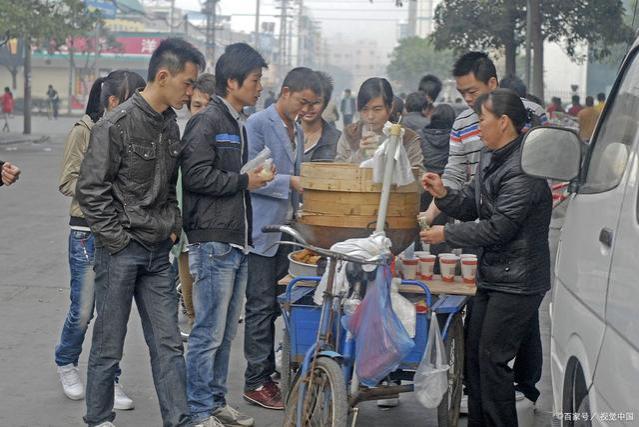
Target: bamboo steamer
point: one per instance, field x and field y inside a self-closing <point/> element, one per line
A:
<point x="341" y="202"/>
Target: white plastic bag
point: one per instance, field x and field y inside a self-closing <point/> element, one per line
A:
<point x="403" y="308"/>
<point x="258" y="161"/>
<point x="431" y="378"/>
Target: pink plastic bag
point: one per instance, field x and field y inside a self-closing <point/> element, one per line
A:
<point x="381" y="341"/>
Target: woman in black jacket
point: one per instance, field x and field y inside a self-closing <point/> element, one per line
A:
<point x="513" y="212"/>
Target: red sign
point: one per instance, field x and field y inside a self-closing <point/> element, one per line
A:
<point x="127" y="45"/>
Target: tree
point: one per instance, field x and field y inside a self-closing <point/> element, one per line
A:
<point x="501" y="24"/>
<point x="413" y="58"/>
<point x="42" y="21"/>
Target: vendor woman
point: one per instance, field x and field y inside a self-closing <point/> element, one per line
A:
<point x="359" y="140"/>
<point x="513" y="212"/>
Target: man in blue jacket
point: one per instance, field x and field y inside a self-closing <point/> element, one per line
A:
<point x="217" y="221"/>
<point x="276" y="203"/>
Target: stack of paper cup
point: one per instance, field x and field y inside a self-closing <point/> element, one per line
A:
<point x="447" y="266"/>
<point x="409" y="268"/>
<point x="426" y="265"/>
<point x="469" y="268"/>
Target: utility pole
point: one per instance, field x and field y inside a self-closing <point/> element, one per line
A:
<point x="257" y="24"/>
<point x="283" y="38"/>
<point x="27" y="85"/>
<point x="96" y="65"/>
<point x="538" y="48"/>
<point x="300" y="34"/>
<point x="412" y="18"/>
<point x="171" y="12"/>
<point x="528" y="44"/>
<point x="210" y="32"/>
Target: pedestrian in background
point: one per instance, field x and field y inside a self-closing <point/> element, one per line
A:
<point x="203" y="92"/>
<point x="7" y="108"/>
<point x="431" y="85"/>
<point x="576" y="106"/>
<point x="53" y="102"/>
<point x="105" y="95"/>
<point x="270" y="99"/>
<point x="587" y="119"/>
<point x="126" y="191"/>
<point x="601" y="102"/>
<point x="218" y="221"/>
<point x="320" y="135"/>
<point x="347" y="108"/>
<point x="417" y="111"/>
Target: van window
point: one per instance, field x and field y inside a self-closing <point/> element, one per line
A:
<point x="613" y="142"/>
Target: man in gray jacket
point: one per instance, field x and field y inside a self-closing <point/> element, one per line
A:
<point x="126" y="191"/>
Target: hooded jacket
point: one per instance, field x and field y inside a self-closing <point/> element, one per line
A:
<point x="435" y="143"/>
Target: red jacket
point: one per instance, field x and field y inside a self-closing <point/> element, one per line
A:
<point x="7" y="103"/>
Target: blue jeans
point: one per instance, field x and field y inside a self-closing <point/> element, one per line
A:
<point x="220" y="273"/>
<point x="143" y="274"/>
<point x="81" y="257"/>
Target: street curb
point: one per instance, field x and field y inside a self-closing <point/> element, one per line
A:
<point x="19" y="140"/>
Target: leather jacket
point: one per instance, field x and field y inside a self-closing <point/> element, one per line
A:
<point x="514" y="213"/>
<point x="127" y="183"/>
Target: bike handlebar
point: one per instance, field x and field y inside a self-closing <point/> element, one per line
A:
<point x="324" y="252"/>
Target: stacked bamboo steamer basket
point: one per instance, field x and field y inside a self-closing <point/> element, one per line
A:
<point x="341" y="202"/>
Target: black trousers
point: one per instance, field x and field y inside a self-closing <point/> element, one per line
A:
<point x="499" y="324"/>
<point x="261" y="311"/>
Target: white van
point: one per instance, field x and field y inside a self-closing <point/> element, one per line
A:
<point x="595" y="296"/>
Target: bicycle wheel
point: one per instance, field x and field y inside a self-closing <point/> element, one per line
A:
<point x="448" y="409"/>
<point x="326" y="399"/>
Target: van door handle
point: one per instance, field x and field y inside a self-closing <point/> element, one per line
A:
<point x="605" y="236"/>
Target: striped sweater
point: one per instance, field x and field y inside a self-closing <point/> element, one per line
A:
<point x="466" y="143"/>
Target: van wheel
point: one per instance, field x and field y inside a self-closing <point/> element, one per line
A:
<point x="575" y="398"/>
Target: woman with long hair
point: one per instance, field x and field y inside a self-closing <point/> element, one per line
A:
<point x="106" y="94"/>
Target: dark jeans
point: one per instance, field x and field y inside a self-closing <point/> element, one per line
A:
<point x="143" y="274"/>
<point x="261" y="312"/>
<point x="499" y="323"/>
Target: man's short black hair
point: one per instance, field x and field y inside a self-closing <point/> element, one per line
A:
<point x="327" y="86"/>
<point x="515" y="84"/>
<point x="236" y="63"/>
<point x="601" y="97"/>
<point x="477" y="63"/>
<point x="590" y="101"/>
<point x="173" y="54"/>
<point x="302" y="78"/>
<point x="431" y="86"/>
<point x="416" y="102"/>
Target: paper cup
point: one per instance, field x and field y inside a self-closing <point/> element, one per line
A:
<point x="469" y="270"/>
<point x="426" y="266"/>
<point x="409" y="268"/>
<point x="447" y="266"/>
<point x="419" y="255"/>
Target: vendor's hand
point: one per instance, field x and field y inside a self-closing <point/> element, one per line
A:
<point x="10" y="173"/>
<point x="369" y="141"/>
<point x="296" y="184"/>
<point x="256" y="180"/>
<point x="433" y="235"/>
<point x="173" y="237"/>
<point x="434" y="185"/>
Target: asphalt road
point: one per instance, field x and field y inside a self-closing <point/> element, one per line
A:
<point x="34" y="299"/>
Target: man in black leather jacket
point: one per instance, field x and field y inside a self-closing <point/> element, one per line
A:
<point x="126" y="190"/>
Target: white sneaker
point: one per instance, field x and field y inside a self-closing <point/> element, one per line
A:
<point x="71" y="382"/>
<point x="519" y="396"/>
<point x="463" y="405"/>
<point x="120" y="400"/>
<point x="209" y="422"/>
<point x="106" y="424"/>
<point x="231" y="417"/>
